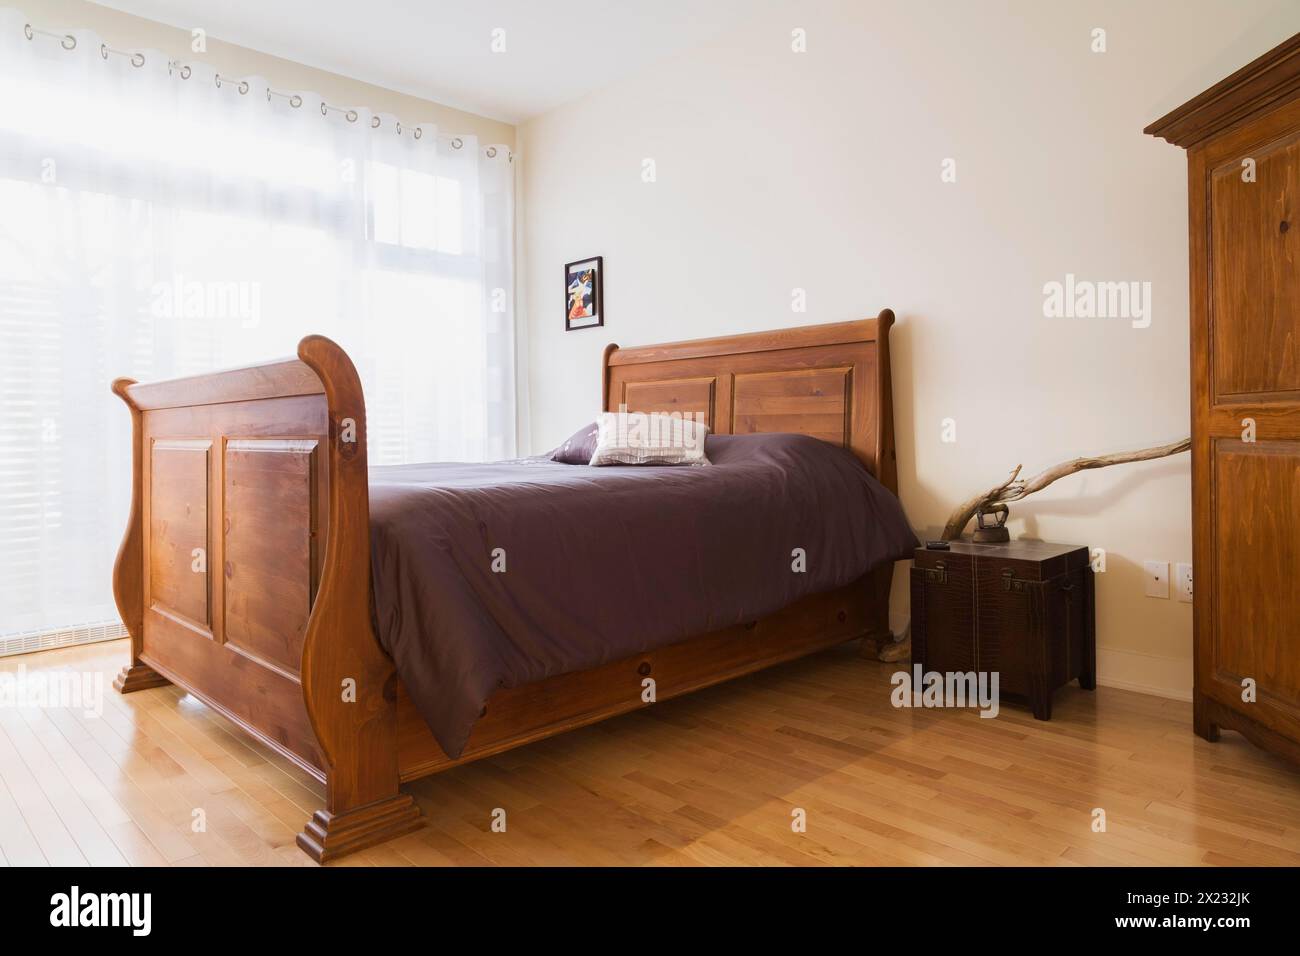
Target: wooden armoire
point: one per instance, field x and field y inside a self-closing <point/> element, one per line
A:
<point x="1242" y="138"/>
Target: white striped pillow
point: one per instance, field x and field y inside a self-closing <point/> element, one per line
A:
<point x="638" y="438"/>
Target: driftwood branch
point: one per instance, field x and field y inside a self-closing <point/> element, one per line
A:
<point x="1015" y="488"/>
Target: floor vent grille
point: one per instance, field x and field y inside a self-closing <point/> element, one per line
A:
<point x="29" y="641"/>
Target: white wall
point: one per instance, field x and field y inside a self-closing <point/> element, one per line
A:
<point x="821" y="170"/>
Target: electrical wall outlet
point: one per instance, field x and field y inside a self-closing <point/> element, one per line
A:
<point x="1157" y="578"/>
<point x="1183" y="583"/>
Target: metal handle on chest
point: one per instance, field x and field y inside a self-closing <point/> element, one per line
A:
<point x="1010" y="582"/>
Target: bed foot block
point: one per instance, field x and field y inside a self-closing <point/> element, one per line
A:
<point x="138" y="676"/>
<point x="883" y="645"/>
<point x="328" y="836"/>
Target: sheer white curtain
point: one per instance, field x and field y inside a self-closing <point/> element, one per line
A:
<point x="159" y="220"/>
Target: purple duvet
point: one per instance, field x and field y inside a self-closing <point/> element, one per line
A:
<point x="603" y="563"/>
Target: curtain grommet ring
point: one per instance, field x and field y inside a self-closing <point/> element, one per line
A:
<point x="67" y="40"/>
<point x="243" y="87"/>
<point x="293" y="99"/>
<point x="399" y="127"/>
<point x="374" y="122"/>
<point x="492" y="152"/>
<point x="137" y="59"/>
<point x="457" y="142"/>
<point x="418" y="132"/>
<point x="351" y="115"/>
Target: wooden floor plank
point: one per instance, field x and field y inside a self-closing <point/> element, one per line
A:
<point x="17" y="842"/>
<point x="83" y="825"/>
<point x="33" y="804"/>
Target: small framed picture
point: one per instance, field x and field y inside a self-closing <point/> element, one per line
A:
<point x="584" y="297"/>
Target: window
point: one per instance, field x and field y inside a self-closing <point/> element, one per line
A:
<point x="156" y="223"/>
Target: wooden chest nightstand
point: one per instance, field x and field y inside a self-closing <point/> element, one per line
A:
<point x="1023" y="609"/>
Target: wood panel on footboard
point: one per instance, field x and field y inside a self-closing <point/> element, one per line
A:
<point x="244" y="573"/>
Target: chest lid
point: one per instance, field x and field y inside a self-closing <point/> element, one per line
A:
<point x="1029" y="560"/>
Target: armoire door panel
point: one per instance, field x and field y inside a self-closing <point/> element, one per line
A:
<point x="1255" y="272"/>
<point x="1256" y="626"/>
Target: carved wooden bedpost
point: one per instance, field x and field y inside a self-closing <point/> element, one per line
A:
<point x="128" y="569"/>
<point x="610" y="349"/>
<point x="348" y="682"/>
<point x="880" y="581"/>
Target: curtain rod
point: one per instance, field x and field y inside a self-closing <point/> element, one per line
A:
<point x="183" y="70"/>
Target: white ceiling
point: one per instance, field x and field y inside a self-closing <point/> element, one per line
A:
<point x="556" y="50"/>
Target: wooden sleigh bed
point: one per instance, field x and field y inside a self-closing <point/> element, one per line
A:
<point x="244" y="574"/>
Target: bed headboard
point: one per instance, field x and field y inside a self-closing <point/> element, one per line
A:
<point x="828" y="381"/>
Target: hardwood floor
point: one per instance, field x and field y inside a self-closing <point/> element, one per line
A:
<point x="712" y="778"/>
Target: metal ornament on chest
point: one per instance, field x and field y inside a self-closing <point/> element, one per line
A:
<point x="995" y="530"/>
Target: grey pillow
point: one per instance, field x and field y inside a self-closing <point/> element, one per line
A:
<point x="578" y="449"/>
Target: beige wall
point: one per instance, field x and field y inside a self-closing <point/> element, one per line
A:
<point x="129" y="32"/>
<point x="821" y="171"/>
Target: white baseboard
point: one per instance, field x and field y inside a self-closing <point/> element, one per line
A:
<point x="1168" y="677"/>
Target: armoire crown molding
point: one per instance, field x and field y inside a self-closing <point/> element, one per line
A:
<point x="1269" y="81"/>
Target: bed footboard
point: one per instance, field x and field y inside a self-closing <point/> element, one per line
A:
<point x="244" y="575"/>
